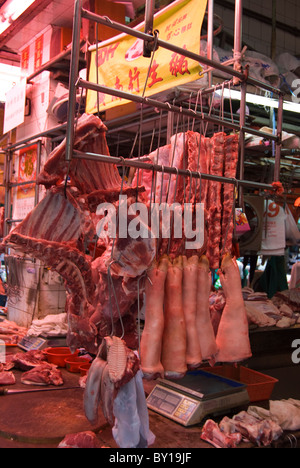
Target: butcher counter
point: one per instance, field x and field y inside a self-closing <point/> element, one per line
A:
<point x="42" y="419"/>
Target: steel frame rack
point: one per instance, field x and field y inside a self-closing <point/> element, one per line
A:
<point x="242" y="78"/>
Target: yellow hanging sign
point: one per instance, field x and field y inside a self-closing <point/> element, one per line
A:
<point x="121" y="64"/>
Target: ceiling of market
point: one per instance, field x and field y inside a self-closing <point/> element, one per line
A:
<point x="43" y="13"/>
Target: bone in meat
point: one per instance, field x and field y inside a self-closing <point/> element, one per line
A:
<point x="44" y="374"/>
<point x="58" y="218"/>
<point x="87" y="176"/>
<point x="233" y="334"/>
<point x="174" y="336"/>
<point x="204" y="325"/>
<point x="230" y="166"/>
<point x="189" y="298"/>
<point x="212" y="434"/>
<point x="116" y="358"/>
<point x="214" y="201"/>
<point x="151" y="340"/>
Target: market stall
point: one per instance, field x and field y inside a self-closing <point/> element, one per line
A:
<point x="178" y="351"/>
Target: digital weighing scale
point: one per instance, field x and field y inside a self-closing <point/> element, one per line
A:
<point x="195" y="396"/>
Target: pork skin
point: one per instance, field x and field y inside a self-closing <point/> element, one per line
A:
<point x="174" y="336"/>
<point x="151" y="341"/>
<point x="233" y="333"/>
<point x="189" y="298"/>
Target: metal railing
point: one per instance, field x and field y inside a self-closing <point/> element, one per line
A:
<point x="243" y="78"/>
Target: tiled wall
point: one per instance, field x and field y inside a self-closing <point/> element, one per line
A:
<point x="257" y="34"/>
<point x="40" y="293"/>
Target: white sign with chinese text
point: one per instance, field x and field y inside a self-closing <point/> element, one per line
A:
<point x="15" y="107"/>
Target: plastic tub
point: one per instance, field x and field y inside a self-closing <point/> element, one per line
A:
<point x="259" y="386"/>
<point x="58" y="355"/>
<point x="84" y="368"/>
<point x="73" y="363"/>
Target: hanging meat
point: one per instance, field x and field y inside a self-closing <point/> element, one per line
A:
<point x="174" y="336"/>
<point x="156" y="184"/>
<point x="62" y="224"/>
<point x="189" y="299"/>
<point x="151" y="341"/>
<point x="233" y="332"/>
<point x="204" y="326"/>
<point x="214" y="201"/>
<point x="198" y="161"/>
<point x="86" y="175"/>
<point x="230" y="167"/>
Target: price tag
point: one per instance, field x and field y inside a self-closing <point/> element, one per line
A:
<point x="29" y="343"/>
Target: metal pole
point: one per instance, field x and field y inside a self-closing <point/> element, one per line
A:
<point x="46" y="133"/>
<point x="7" y="203"/>
<point x="149" y="15"/>
<point x="179" y="50"/>
<point x="74" y="71"/>
<point x="210" y="37"/>
<point x="238" y="37"/>
<point x="242" y="140"/>
<point x="138" y="163"/>
<point x="279" y="140"/>
<point x="38" y="168"/>
<point x="171" y="108"/>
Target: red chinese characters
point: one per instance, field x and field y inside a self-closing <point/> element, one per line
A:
<point x="153" y="75"/>
<point x="134" y="80"/>
<point x="179" y="64"/>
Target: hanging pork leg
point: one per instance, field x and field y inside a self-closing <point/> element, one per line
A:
<point x="233" y="332"/>
<point x="151" y="341"/>
<point x="189" y="297"/>
<point x="174" y="336"/>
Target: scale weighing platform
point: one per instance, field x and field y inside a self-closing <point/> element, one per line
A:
<point x="195" y="396"/>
